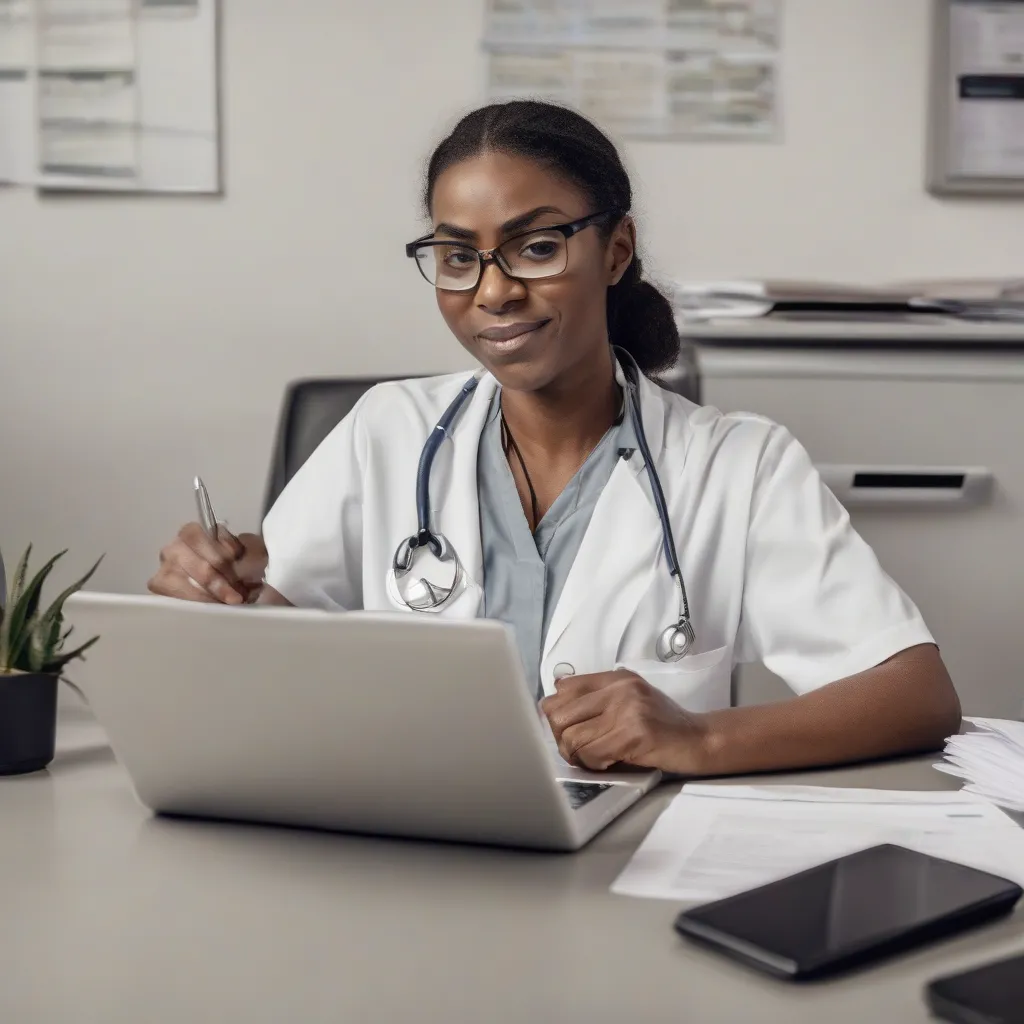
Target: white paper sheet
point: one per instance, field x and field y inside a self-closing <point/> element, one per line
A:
<point x="721" y="95"/>
<point x="987" y="66"/>
<point x="111" y="95"/>
<point x="987" y="37"/>
<point x="524" y="74"/>
<point x="643" y="68"/>
<point x="750" y="27"/>
<point x="621" y="87"/>
<point x="17" y="92"/>
<point x="990" y="761"/>
<point x="87" y="124"/>
<point x="16" y="34"/>
<point x="714" y="841"/>
<point x="86" y="34"/>
<point x="528" y="22"/>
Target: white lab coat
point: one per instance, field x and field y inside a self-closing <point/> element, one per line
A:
<point x="774" y="571"/>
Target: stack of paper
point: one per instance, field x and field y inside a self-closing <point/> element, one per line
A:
<point x="714" y="841"/>
<point x="990" y="761"/>
<point x="719" y="300"/>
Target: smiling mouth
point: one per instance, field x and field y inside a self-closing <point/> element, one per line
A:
<point x="507" y="337"/>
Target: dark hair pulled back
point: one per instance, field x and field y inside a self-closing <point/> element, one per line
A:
<point x="640" y="318"/>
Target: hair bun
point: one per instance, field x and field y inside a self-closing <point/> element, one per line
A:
<point x="640" y="320"/>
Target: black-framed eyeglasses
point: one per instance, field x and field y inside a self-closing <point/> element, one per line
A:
<point x="537" y="253"/>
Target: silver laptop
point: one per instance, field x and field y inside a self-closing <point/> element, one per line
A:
<point x="392" y="724"/>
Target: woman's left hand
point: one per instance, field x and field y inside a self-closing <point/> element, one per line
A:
<point x="611" y="718"/>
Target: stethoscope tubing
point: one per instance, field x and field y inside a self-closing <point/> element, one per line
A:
<point x="425" y="536"/>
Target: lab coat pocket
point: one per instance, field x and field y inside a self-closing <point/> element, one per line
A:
<point x="701" y="682"/>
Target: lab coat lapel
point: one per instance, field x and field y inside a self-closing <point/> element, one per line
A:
<point x="454" y="498"/>
<point x="609" y="576"/>
<point x="618" y="556"/>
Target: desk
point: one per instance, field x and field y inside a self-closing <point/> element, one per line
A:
<point x="113" y="917"/>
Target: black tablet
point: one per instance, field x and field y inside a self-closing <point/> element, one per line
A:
<point x="991" y="994"/>
<point x="850" y="911"/>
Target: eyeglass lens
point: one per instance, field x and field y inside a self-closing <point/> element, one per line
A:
<point x="456" y="267"/>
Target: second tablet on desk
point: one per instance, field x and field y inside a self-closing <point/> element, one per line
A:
<point x="859" y="908"/>
<point x="990" y="994"/>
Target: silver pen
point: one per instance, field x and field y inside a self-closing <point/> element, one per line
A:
<point x="208" y="521"/>
<point x="207" y="517"/>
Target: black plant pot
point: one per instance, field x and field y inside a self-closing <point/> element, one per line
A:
<point x="28" y="722"/>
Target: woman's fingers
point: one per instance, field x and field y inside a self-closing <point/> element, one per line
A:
<point x="194" y="567"/>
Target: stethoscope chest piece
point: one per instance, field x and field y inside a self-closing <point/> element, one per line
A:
<point x="427" y="572"/>
<point x="676" y="642"/>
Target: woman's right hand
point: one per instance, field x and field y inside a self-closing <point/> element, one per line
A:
<point x="226" y="571"/>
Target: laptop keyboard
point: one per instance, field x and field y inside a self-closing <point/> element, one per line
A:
<point x="581" y="793"/>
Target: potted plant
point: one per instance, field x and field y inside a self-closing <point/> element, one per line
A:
<point x="32" y="659"/>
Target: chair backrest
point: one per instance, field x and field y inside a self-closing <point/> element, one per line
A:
<point x="310" y="411"/>
<point x="313" y="408"/>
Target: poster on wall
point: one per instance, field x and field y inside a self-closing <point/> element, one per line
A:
<point x="115" y="95"/>
<point x="977" y="98"/>
<point x="658" y="69"/>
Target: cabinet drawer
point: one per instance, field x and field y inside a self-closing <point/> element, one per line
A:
<point x="959" y="557"/>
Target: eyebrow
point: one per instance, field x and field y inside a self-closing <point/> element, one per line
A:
<point x="510" y="227"/>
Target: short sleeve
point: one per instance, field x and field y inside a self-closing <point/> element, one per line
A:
<point x="817" y="605"/>
<point x="313" y="532"/>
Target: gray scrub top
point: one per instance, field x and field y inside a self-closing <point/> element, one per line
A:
<point x="524" y="573"/>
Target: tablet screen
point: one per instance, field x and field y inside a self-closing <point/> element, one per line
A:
<point x="851" y="904"/>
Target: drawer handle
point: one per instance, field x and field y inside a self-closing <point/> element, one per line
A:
<point x="908" y="485"/>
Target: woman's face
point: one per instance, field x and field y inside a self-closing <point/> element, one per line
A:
<point x="558" y="324"/>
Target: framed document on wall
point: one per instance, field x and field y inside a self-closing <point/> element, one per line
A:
<point x="976" y="130"/>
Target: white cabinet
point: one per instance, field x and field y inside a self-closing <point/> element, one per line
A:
<point x="925" y="445"/>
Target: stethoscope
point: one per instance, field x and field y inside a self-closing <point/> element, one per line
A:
<point x="421" y="595"/>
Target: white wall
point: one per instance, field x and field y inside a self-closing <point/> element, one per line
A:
<point x="143" y="340"/>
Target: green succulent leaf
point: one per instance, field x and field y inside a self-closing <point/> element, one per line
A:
<point x="18" y="579"/>
<point x="13" y="594"/>
<point x="26" y="610"/>
<point x="56" y="665"/>
<point x="56" y="609"/>
<point x="32" y="640"/>
<point x="43" y="644"/>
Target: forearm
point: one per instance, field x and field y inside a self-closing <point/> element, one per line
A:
<point x="905" y="705"/>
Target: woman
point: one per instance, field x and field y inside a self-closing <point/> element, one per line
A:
<point x="544" y="494"/>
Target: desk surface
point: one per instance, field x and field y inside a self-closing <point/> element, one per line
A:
<point x="111" y="916"/>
